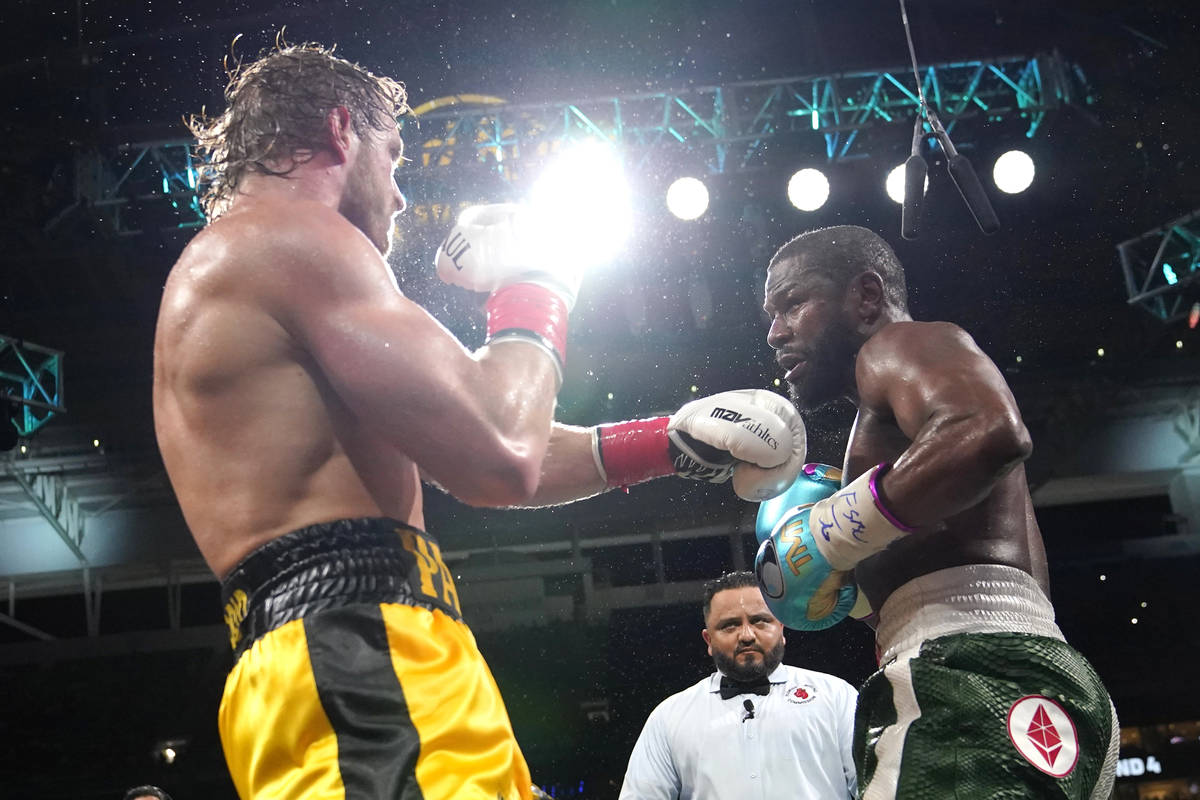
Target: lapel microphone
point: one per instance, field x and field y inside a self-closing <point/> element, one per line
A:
<point x="749" y="706"/>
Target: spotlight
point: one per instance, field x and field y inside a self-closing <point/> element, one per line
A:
<point x="1013" y="172"/>
<point x="895" y="184"/>
<point x="169" y="750"/>
<point x="582" y="205"/>
<point x="687" y="198"/>
<point x="808" y="189"/>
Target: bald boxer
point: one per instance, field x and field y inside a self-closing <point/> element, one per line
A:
<point x="299" y="399"/>
<point x="978" y="695"/>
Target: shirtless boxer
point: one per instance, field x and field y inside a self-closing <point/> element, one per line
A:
<point x="978" y="695"/>
<point x="299" y="397"/>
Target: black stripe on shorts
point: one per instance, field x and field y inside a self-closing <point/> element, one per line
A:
<point x="364" y="702"/>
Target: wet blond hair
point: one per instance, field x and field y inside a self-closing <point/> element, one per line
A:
<point x="275" y="115"/>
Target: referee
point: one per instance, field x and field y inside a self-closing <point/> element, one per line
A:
<point x="756" y="729"/>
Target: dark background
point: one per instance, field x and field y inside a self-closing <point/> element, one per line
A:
<point x="1047" y="288"/>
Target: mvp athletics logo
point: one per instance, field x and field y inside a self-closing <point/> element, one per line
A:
<point x="756" y="428"/>
<point x="1044" y="734"/>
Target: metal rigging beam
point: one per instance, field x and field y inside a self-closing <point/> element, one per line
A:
<point x="31" y="380"/>
<point x="713" y="129"/>
<point x="1162" y="268"/>
<point x="740" y="118"/>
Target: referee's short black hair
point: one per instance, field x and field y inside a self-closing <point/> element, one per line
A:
<point x="730" y="580"/>
<point x="146" y="791"/>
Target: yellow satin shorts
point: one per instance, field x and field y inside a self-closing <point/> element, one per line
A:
<point x="365" y="701"/>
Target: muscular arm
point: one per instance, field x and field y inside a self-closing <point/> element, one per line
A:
<point x="952" y="402"/>
<point x="477" y="423"/>
<point x="569" y="470"/>
<point x="755" y="433"/>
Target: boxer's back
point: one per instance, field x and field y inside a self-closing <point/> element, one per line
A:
<point x="255" y="441"/>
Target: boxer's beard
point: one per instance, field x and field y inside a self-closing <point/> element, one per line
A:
<point x="830" y="373"/>
<point x="362" y="204"/>
<point x="729" y="665"/>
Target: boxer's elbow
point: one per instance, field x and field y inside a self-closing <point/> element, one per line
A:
<point x="508" y="476"/>
<point x="1005" y="442"/>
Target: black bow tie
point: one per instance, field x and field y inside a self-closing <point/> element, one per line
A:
<point x="731" y="688"/>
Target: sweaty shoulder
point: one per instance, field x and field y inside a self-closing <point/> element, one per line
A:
<point x="291" y="235"/>
<point x="910" y="339"/>
<point x="280" y="254"/>
<point x="903" y="351"/>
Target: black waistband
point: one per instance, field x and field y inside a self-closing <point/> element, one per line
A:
<point x="330" y="565"/>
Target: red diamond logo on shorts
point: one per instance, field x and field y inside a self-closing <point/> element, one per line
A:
<point x="1044" y="734"/>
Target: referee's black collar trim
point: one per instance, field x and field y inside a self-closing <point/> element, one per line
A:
<point x="778" y="676"/>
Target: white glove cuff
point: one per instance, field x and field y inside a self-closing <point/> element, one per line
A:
<point x="853" y="524"/>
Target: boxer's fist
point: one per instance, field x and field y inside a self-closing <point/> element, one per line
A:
<point x="798" y="584"/>
<point x="814" y="483"/>
<point x="496" y="245"/>
<point x="753" y="435"/>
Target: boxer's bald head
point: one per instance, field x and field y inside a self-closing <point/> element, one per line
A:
<point x="842" y="252"/>
<point x="828" y="291"/>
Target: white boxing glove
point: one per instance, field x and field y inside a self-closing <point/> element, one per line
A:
<point x="492" y="246"/>
<point x="753" y="433"/>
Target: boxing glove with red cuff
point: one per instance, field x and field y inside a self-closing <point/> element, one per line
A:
<point x="753" y="436"/>
<point x="493" y="248"/>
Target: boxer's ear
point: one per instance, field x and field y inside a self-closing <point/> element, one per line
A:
<point x="865" y="299"/>
<point x="339" y="130"/>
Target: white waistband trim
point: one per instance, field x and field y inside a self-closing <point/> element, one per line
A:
<point x="976" y="598"/>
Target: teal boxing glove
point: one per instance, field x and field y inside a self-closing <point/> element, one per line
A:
<point x="797" y="582"/>
<point x="805" y="566"/>
<point x="814" y="483"/>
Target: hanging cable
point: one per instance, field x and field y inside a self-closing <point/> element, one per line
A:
<point x="915" y="168"/>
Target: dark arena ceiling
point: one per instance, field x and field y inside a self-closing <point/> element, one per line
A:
<point x="123" y="634"/>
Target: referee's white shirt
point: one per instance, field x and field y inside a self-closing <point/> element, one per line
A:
<point x="696" y="746"/>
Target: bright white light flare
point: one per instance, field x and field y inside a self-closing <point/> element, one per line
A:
<point x="808" y="189"/>
<point x="1013" y="172"/>
<point x="582" y="207"/>
<point x="687" y="198"/>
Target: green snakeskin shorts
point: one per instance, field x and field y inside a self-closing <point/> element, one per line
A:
<point x="986" y="716"/>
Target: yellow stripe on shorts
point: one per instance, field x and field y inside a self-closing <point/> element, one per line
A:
<point x="369" y="701"/>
